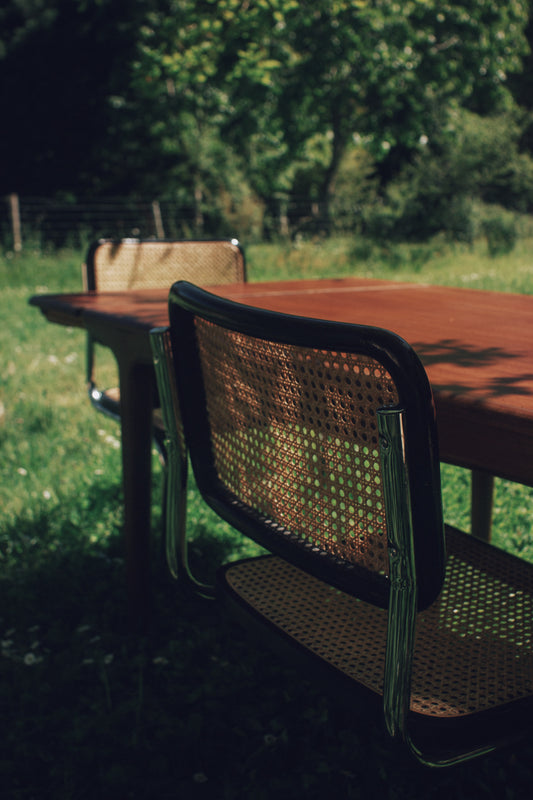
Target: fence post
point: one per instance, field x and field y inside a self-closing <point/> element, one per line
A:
<point x="284" y="216"/>
<point x="198" y="213"/>
<point x="158" y="220"/>
<point x="14" y="208"/>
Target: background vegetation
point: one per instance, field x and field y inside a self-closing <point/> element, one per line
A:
<point x="191" y="710"/>
<point x="273" y="116"/>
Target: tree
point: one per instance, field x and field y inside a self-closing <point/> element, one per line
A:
<point x="159" y="96"/>
<point x="459" y="183"/>
<point x="275" y="73"/>
<point x="521" y="85"/>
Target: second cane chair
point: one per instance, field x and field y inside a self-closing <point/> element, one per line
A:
<point x="124" y="265"/>
<point x="318" y="441"/>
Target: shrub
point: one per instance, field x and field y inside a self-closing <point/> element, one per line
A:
<point x="501" y="233"/>
<point x="473" y="159"/>
<point x="355" y="187"/>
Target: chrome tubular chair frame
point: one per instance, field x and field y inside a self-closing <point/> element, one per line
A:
<point x="402" y="602"/>
<point x="177" y="464"/>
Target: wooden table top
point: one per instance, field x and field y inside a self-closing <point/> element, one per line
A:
<point x="477" y="347"/>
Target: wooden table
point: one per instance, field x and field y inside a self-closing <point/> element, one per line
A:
<point x="477" y="348"/>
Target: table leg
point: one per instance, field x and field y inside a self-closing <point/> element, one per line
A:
<point x="481" y="504"/>
<point x="136" y="397"/>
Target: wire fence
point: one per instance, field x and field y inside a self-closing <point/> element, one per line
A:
<point x="27" y="221"/>
<point x="38" y="220"/>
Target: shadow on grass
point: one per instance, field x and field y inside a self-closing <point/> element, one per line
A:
<point x="192" y="710"/>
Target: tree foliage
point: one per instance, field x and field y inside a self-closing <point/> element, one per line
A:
<point x="275" y="73"/>
<point x="459" y="183"/>
<point x="196" y="96"/>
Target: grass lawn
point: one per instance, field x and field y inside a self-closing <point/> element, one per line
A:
<point x="191" y="710"/>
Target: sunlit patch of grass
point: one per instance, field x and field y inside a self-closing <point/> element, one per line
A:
<point x="456" y="496"/>
<point x="512" y="518"/>
<point x="512" y="529"/>
<point x="435" y="262"/>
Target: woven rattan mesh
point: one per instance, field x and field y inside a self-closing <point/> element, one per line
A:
<point x="157" y="264"/>
<point x="294" y="433"/>
<point x="473" y="650"/>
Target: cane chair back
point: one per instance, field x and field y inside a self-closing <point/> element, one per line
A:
<point x="115" y="266"/>
<point x="135" y="264"/>
<point x="318" y="441"/>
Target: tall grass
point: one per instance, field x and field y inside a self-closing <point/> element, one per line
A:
<point x="190" y="710"/>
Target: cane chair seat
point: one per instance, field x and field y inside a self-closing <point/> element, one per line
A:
<point x="136" y="264"/>
<point x="318" y="441"/>
<point x="467" y="659"/>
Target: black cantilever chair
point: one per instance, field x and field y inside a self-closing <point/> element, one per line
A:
<point x="318" y="440"/>
<point x="123" y="265"/>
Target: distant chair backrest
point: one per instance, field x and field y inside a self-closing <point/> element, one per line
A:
<point x="135" y="264"/>
<point x="288" y="421"/>
<point x="119" y="265"/>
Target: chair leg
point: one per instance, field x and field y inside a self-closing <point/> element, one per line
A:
<point x="481" y="504"/>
